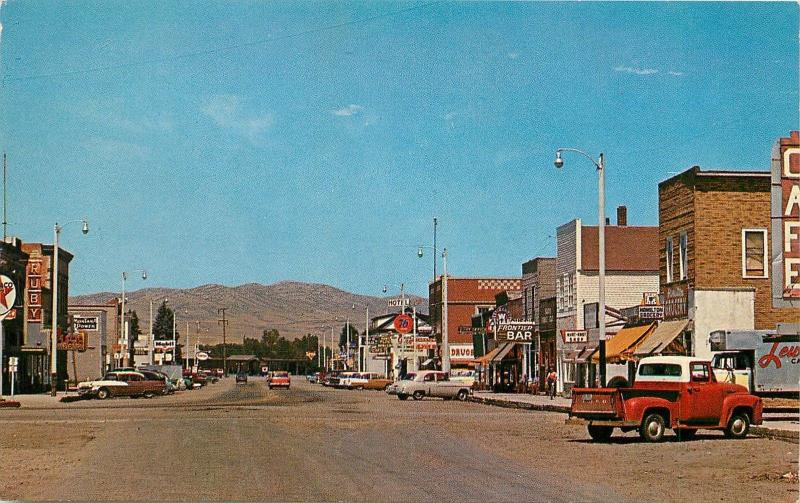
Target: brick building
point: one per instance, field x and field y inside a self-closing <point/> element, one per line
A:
<point x="631" y="271"/>
<point x="538" y="283"/>
<point x="465" y="298"/>
<point x="13" y="262"/>
<point x="101" y="326"/>
<point x="716" y="252"/>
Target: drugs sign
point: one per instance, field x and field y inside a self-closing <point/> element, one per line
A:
<point x="516" y="332"/>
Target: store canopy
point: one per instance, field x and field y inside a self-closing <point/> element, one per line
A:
<point x="662" y="337"/>
<point x="620" y="348"/>
<point x="485" y="359"/>
<point x="503" y="351"/>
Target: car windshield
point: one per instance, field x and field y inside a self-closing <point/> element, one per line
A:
<point x="281" y="374"/>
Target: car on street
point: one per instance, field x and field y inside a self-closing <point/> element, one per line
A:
<point x="241" y="377"/>
<point x="678" y="392"/>
<point x="122" y="383"/>
<point x="377" y="383"/>
<point x="432" y="383"/>
<point x="313" y="378"/>
<point x="280" y="379"/>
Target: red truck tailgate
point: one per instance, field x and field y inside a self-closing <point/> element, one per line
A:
<point x="596" y="402"/>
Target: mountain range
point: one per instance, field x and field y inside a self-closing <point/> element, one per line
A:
<point x="293" y="308"/>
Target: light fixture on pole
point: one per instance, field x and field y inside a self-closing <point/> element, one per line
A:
<point x="601" y="239"/>
<point x="54" y="318"/>
<point x="124" y="337"/>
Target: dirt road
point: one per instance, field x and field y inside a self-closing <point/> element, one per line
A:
<point x="245" y="442"/>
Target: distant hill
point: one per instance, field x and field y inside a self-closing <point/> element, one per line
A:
<point x="293" y="308"/>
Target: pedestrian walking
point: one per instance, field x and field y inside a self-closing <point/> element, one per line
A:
<point x="552" y="377"/>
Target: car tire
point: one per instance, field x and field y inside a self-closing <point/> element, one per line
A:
<point x="402" y="396"/>
<point x="149" y="394"/>
<point x="600" y="433"/>
<point x="103" y="393"/>
<point x="738" y="425"/>
<point x="418" y="395"/>
<point x="462" y="395"/>
<point x="652" y="429"/>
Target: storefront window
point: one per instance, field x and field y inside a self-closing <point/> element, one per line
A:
<point x="670" y="258"/>
<point x="754" y="253"/>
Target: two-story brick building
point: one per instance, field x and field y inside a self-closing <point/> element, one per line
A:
<point x="538" y="283"/>
<point x="717" y="250"/>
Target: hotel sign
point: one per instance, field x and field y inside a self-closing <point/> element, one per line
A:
<point x="786" y="221"/>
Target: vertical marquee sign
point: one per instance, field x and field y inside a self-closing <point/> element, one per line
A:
<point x="786" y="222"/>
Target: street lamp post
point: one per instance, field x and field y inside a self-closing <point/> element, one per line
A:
<point x="445" y="341"/>
<point x="124" y="338"/>
<point x="601" y="239"/>
<point x="54" y="332"/>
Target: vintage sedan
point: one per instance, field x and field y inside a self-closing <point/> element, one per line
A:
<point x="433" y="383"/>
<point x="280" y="379"/>
<point x="122" y="383"/>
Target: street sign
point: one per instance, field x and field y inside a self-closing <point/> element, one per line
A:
<point x="8" y="294"/>
<point x="404" y="323"/>
<point x="201" y="356"/>
<point x="513" y="331"/>
<point x="13" y="360"/>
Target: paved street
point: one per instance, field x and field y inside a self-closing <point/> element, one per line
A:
<point x="228" y="442"/>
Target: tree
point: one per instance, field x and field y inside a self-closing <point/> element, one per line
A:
<point x="343" y="336"/>
<point x="133" y="326"/>
<point x="162" y="326"/>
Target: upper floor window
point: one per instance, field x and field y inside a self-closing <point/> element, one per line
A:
<point x="754" y="253"/>
<point x="684" y="255"/>
<point x="670" y="259"/>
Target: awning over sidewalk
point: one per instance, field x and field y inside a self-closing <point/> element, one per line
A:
<point x="621" y="347"/>
<point x="579" y="355"/>
<point x="503" y="351"/>
<point x="662" y="338"/>
<point x="496" y="355"/>
<point x="485" y="359"/>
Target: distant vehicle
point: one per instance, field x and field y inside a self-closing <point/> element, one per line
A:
<point x="377" y="383"/>
<point x="280" y="379"/>
<point x="463" y="376"/>
<point x="122" y="383"/>
<point x="241" y="377"/>
<point x="312" y="378"/>
<point x="433" y="383"/>
<point x="766" y="363"/>
<point x="338" y="380"/>
<point x="678" y="392"/>
<point x="355" y="380"/>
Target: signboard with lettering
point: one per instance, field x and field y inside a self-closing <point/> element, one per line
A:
<point x="403" y="323"/>
<point x="85" y="323"/>
<point x="574" y="336"/>
<point x="590" y="312"/>
<point x="8" y="295"/>
<point x="33" y="290"/>
<point x="516" y="331"/>
<point x="164" y="345"/>
<point x="786" y="221"/>
<point x="72" y="341"/>
<point x="676" y="301"/>
<point x="399" y="302"/>
<point x="461" y="352"/>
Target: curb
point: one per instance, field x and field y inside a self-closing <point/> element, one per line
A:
<point x="786" y="436"/>
<point x="520" y="405"/>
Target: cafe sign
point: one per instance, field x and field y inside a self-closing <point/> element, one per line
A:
<point x="785" y="214"/>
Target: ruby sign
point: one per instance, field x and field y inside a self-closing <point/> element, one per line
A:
<point x="8" y="295"/>
<point x="403" y="324"/>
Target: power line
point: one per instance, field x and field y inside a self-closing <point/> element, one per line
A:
<point x="206" y="52"/>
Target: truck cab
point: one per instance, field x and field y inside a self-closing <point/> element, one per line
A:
<point x="677" y="392"/>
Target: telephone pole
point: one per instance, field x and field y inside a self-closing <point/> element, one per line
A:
<point x="224" y="322"/>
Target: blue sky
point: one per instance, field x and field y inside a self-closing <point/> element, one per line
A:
<point x="234" y="142"/>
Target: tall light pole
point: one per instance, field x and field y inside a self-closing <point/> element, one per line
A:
<point x="445" y="341"/>
<point x="124" y="337"/>
<point x="601" y="239"/>
<point x="54" y="325"/>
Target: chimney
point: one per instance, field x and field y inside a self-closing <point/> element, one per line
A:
<point x="622" y="216"/>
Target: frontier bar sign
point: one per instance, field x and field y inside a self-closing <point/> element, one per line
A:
<point x="786" y="221"/>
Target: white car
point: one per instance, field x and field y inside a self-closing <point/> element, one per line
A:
<point x="433" y="383"/>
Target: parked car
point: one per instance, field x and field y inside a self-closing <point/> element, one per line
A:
<point x="466" y="376"/>
<point x="122" y="383"/>
<point x="241" y="377"/>
<point x="356" y="380"/>
<point x="377" y="383"/>
<point x="434" y="383"/>
<point x="280" y="379"/>
<point x="159" y="376"/>
<point x="678" y="392"/>
<point x="392" y="388"/>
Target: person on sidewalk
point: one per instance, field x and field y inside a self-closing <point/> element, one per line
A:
<point x="552" y="377"/>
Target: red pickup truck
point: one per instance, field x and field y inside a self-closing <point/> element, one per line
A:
<point x="677" y="392"/>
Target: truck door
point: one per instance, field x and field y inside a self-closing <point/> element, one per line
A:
<point x="702" y="403"/>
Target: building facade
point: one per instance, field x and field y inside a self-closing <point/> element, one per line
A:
<point x="465" y="298"/>
<point x="538" y="283"/>
<point x="99" y="324"/>
<point x="722" y="266"/>
<point x="631" y="271"/>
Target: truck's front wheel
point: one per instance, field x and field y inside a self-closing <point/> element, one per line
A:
<point x="600" y="433"/>
<point x="652" y="429"/>
<point x="738" y="426"/>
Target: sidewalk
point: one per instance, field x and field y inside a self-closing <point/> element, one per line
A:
<point x="783" y="430"/>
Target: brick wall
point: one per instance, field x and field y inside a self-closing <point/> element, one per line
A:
<point x="676" y="212"/>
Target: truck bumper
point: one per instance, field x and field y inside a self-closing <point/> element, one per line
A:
<point x="615" y="423"/>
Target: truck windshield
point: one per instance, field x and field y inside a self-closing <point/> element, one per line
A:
<point x="660" y="369"/>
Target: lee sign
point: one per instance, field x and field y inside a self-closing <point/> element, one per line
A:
<point x="516" y="332"/>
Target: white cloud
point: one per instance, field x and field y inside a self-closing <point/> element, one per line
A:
<point x="347" y="111"/>
<point x="636" y="71"/>
<point x="675" y="73"/>
<point x="225" y="111"/>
